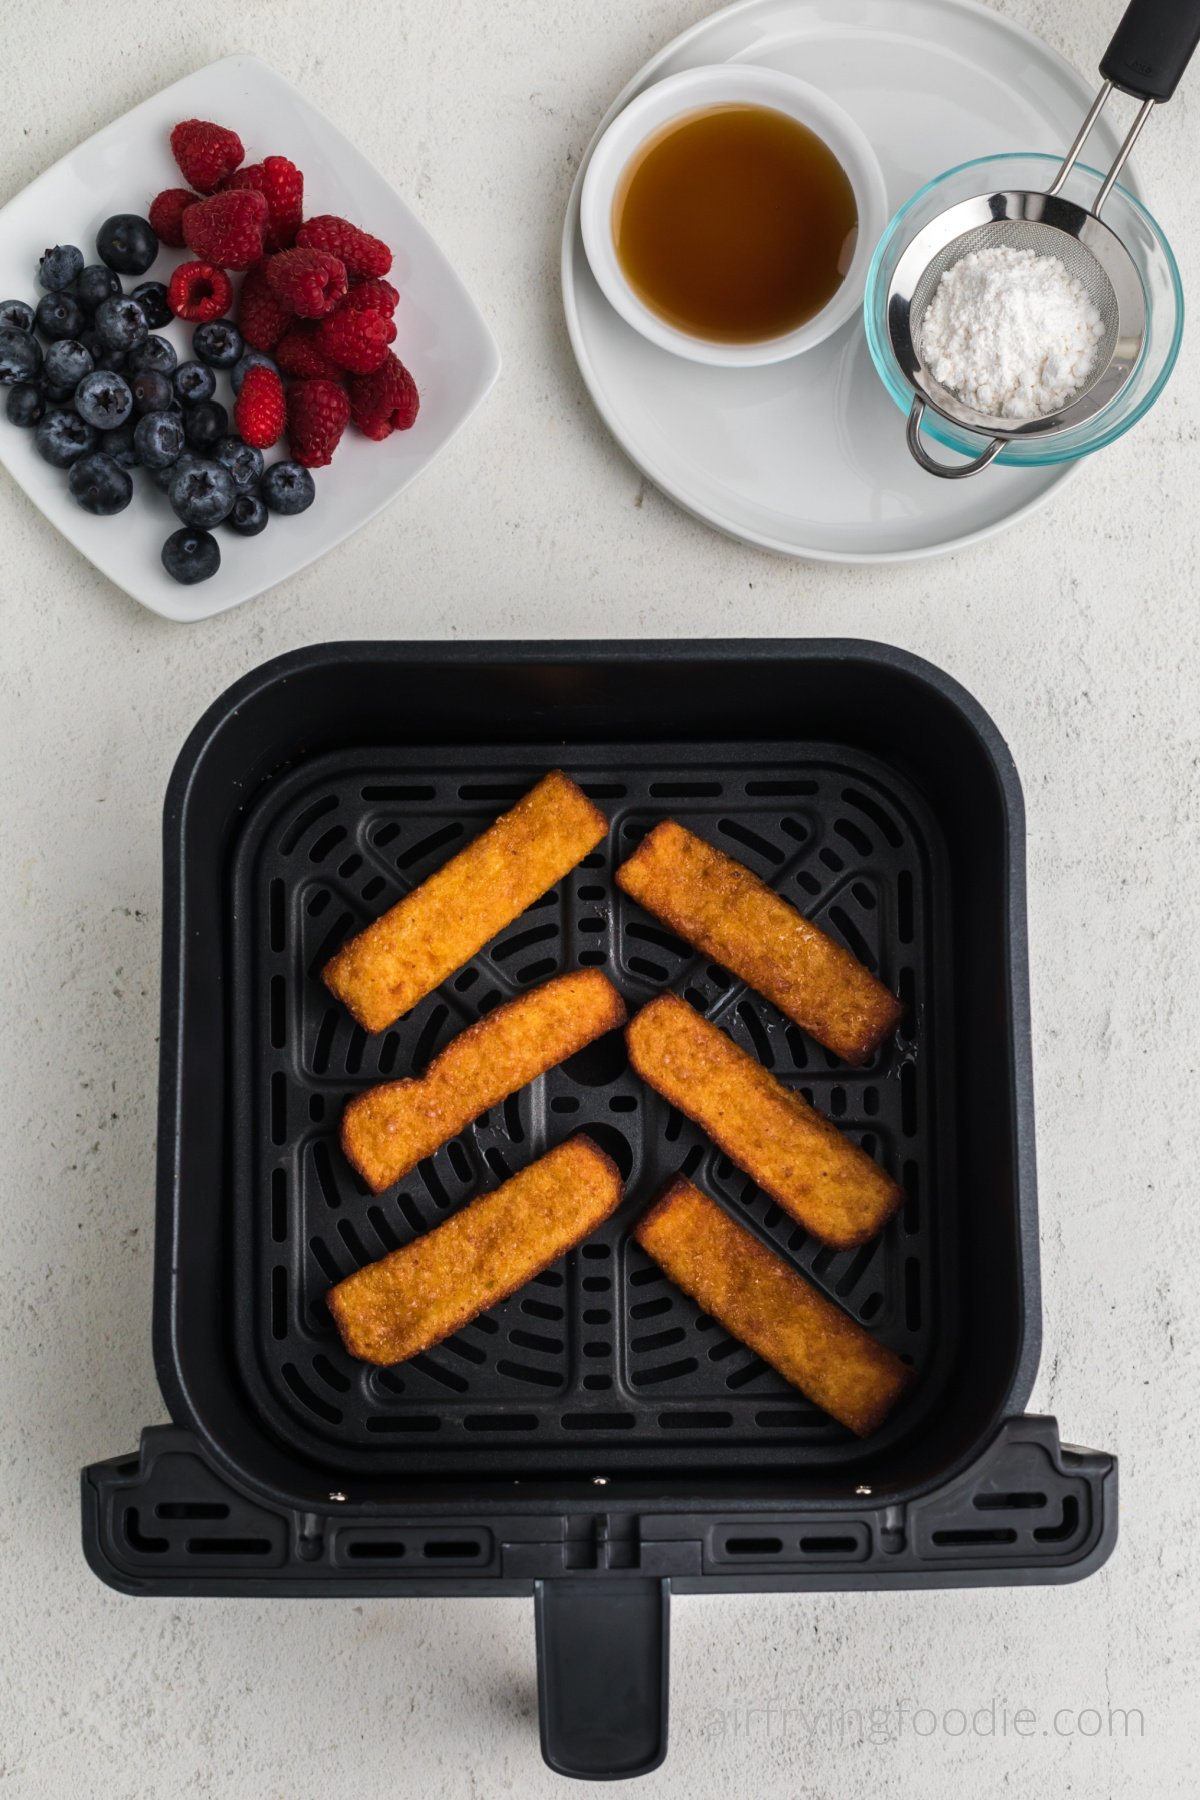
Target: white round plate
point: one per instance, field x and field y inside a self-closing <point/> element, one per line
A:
<point x="807" y="457"/>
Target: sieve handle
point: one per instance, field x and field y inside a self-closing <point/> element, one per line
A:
<point x="1153" y="45"/>
<point x="947" y="471"/>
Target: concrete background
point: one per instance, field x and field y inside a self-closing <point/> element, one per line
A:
<point x="1078" y="634"/>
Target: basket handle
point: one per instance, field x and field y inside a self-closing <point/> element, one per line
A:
<point x="947" y="471"/>
<point x="1152" y="47"/>
<point x="603" y="1674"/>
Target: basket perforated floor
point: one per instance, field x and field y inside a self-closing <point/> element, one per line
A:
<point x="600" y="1362"/>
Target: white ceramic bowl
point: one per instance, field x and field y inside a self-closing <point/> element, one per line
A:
<point x="725" y="84"/>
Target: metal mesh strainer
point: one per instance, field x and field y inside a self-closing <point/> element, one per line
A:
<point x="1152" y="47"/>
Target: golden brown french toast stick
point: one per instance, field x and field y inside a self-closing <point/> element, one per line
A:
<point x="415" y="946"/>
<point x="722" y="908"/>
<point x="417" y="1296"/>
<point x="825" y="1182"/>
<point x="766" y="1304"/>
<point x="388" y="1129"/>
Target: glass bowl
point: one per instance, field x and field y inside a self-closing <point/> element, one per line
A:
<point x="1143" y="239"/>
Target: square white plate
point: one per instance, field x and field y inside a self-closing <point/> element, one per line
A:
<point x="440" y="334"/>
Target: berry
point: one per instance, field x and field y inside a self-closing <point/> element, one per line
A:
<point x="309" y="282"/>
<point x="62" y="436"/>
<point x="20" y="355"/>
<point x="219" y="343"/>
<point x="282" y="187"/>
<point x="25" y="404"/>
<point x="205" y="153"/>
<point x="151" y="296"/>
<point x="249" y="516"/>
<point x="371" y="295"/>
<point x="103" y="399"/>
<point x="158" y="440"/>
<point x="121" y="323"/>
<point x="127" y="244"/>
<point x="95" y="284"/>
<point x="191" y="556"/>
<point x="384" y="401"/>
<point x="66" y="363"/>
<point x="59" y="267"/>
<point x="99" y="484"/>
<point x="204" y="423"/>
<point x="252" y="359"/>
<point x="16" y="315"/>
<point x="202" y="494"/>
<point x="156" y="353"/>
<point x="166" y="214"/>
<point x="243" y="461"/>
<point x="228" y="229"/>
<point x="193" y="382"/>
<point x="260" y="316"/>
<point x="152" y="392"/>
<point x="259" y="409"/>
<point x="355" y="340"/>
<point x="162" y="478"/>
<point x="317" y="415"/>
<point x="59" y="316"/>
<point x="297" y="353"/>
<point x="288" y="488"/>
<point x="119" y="444"/>
<point x="199" y="292"/>
<point x="361" y="253"/>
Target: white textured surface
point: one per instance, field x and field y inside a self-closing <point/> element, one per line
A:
<point x="1078" y="635"/>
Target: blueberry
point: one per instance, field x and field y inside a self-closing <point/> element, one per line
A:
<point x="20" y="354"/>
<point x="194" y="382"/>
<point x="158" y="440"/>
<point x="15" y="314"/>
<point x="95" y="284"/>
<point x="127" y="243"/>
<point x="243" y="461"/>
<point x="59" y="267"/>
<point x="151" y="296"/>
<point x="249" y="516"/>
<point x="151" y="391"/>
<point x="218" y="343"/>
<point x="25" y="403"/>
<point x="66" y="364"/>
<point x="121" y="323"/>
<point x="287" y="487"/>
<point x="204" y="494"/>
<point x="156" y="353"/>
<point x="100" y="485"/>
<point x="59" y="316"/>
<point x="253" y="359"/>
<point x="204" y="423"/>
<point x="62" y="436"/>
<point x="103" y="399"/>
<point x="162" y="478"/>
<point x="119" y="444"/>
<point x="191" y="556"/>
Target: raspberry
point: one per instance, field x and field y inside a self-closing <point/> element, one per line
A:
<point x="282" y="186"/>
<point x="297" y="353"/>
<point x="206" y="153"/>
<point x="199" y="292"/>
<point x="166" y="215"/>
<point x="228" y="229"/>
<point x="259" y="411"/>
<point x="262" y="321"/>
<point x="317" y="414"/>
<point x="361" y="253"/>
<point x="355" y="340"/>
<point x="369" y="295"/>
<point x="384" y="401"/>
<point x="308" y="282"/>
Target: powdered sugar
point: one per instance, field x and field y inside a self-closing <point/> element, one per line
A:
<point x="1013" y="334"/>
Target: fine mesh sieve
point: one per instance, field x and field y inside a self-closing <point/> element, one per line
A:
<point x="1147" y="57"/>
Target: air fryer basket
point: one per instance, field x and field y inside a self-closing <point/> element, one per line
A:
<point x="595" y="1438"/>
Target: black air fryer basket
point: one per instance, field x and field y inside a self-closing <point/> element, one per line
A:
<point x="595" y="1441"/>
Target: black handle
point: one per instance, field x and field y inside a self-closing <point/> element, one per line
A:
<point x="1153" y="45"/>
<point x="603" y="1675"/>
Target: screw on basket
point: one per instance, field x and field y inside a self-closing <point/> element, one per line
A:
<point x="1153" y="45"/>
